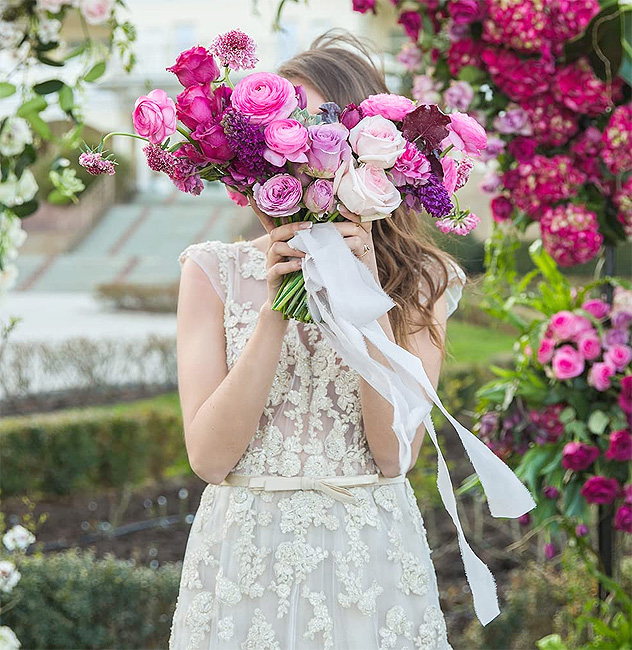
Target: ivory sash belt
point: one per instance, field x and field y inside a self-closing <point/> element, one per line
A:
<point x="345" y="302"/>
<point x="334" y="486"/>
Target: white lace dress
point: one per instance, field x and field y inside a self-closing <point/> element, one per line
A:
<point x="298" y="569"/>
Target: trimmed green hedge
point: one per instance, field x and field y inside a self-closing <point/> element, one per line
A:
<point x="73" y="600"/>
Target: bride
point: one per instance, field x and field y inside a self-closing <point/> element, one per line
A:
<point x="278" y="556"/>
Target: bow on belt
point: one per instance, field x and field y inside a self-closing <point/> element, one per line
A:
<point x="345" y="301"/>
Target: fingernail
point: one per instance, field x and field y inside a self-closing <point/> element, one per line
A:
<point x="306" y="224"/>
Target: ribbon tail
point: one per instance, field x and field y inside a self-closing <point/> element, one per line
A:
<point x="338" y="492"/>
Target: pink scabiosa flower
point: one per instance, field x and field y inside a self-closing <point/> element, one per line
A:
<point x="617" y="140"/>
<point x="620" y="447"/>
<point x="460" y="224"/>
<point x="159" y="159"/>
<point x="599" y="489"/>
<point x="599" y="376"/>
<point x="235" y="50"/>
<point x="623" y="518"/>
<point x="567" y="363"/>
<point x="95" y="164"/>
<point x="579" y="456"/>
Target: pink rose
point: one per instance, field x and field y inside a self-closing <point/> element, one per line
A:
<point x="466" y="134"/>
<point x="377" y="141"/>
<point x="195" y="66"/>
<point x="545" y="351"/>
<point x="412" y="167"/>
<point x="366" y="190"/>
<point x="328" y="149"/>
<point x="620" y="447"/>
<point x="599" y="376"/>
<point x="618" y="356"/>
<point x="567" y="362"/>
<point x="564" y="325"/>
<point x="279" y="196"/>
<point x="623" y="518"/>
<point x="449" y="173"/>
<point x="154" y="116"/>
<point x="579" y="456"/>
<point x="589" y="345"/>
<point x="598" y="308"/>
<point x="285" y="140"/>
<point x="319" y="196"/>
<point x="392" y="107"/>
<point x="599" y="489"/>
<point x="411" y="22"/>
<point x="583" y="325"/>
<point x="625" y="396"/>
<point x="502" y="209"/>
<point x="237" y="197"/>
<point x="264" y="97"/>
<point x="213" y="143"/>
<point x="96" y="12"/>
<point x="200" y="104"/>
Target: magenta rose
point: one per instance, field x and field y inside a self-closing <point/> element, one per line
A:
<point x="319" y="196"/>
<point x="412" y="167"/>
<point x="625" y="396"/>
<point x="264" y="97"/>
<point x="545" y="351"/>
<point x="200" y="104"/>
<point x="599" y="489"/>
<point x="567" y="362"/>
<point x="328" y="149"/>
<point x="464" y="12"/>
<point x="411" y="22"/>
<point x="589" y="345"/>
<point x="213" y="143"/>
<point x="598" y="308"/>
<point x="154" y="116"/>
<point x="279" y="196"/>
<point x="362" y="6"/>
<point x="285" y="140"/>
<point x="195" y="66"/>
<point x="579" y="456"/>
<point x="392" y="107"/>
<point x="502" y="208"/>
<point x="599" y="376"/>
<point x="618" y="356"/>
<point x="620" y="447"/>
<point x="623" y="518"/>
<point x="466" y="134"/>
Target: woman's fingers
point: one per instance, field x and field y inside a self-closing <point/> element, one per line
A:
<point x="356" y="244"/>
<point x="281" y="268"/>
<point x="279" y="250"/>
<point x="348" y="214"/>
<point x="347" y="229"/>
<point x="287" y="230"/>
<point x="266" y="220"/>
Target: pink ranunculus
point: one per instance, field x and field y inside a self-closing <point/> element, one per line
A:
<point x="366" y="190"/>
<point x="199" y="104"/>
<point x="589" y="345"/>
<point x="623" y="518"/>
<point x="328" y="149"/>
<point x="625" y="396"/>
<point x="237" y="197"/>
<point x="279" y="196"/>
<point x="619" y="356"/>
<point x="213" y="143"/>
<point x="377" y="141"/>
<point x="578" y="456"/>
<point x="319" y="196"/>
<point x="391" y="106"/>
<point x="545" y="351"/>
<point x="264" y="97"/>
<point x="567" y="362"/>
<point x="154" y="116"/>
<point x="285" y="140"/>
<point x="599" y="376"/>
<point x="598" y="308"/>
<point x="412" y="167"/>
<point x="195" y="66"/>
<point x="620" y="447"/>
<point x="599" y="489"/>
<point x="96" y="12"/>
<point x="466" y="134"/>
<point x="449" y="173"/>
<point x="564" y="325"/>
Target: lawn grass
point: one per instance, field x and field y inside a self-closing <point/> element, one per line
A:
<point x="475" y="343"/>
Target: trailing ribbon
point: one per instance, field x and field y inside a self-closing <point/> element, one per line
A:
<point x="345" y="301"/>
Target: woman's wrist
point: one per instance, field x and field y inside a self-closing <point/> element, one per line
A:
<point x="271" y="318"/>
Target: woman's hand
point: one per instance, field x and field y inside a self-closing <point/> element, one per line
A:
<point x="358" y="236"/>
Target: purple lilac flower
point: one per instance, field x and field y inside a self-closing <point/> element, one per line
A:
<point x="433" y="197"/>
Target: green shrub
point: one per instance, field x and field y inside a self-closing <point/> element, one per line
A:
<point x="161" y="298"/>
<point x="73" y="600"/>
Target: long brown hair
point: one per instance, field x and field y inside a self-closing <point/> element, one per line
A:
<point x="340" y="67"/>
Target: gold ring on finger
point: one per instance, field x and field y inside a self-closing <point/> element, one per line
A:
<point x="367" y="248"/>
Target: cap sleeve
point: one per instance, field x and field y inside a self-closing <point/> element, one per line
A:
<point x="454" y="289"/>
<point x="208" y="256"/>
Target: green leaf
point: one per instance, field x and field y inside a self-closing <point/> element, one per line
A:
<point x="48" y="87"/>
<point x="26" y="209"/>
<point x="95" y="72"/>
<point x="574" y="502"/>
<point x="567" y="415"/>
<point x="47" y="61"/>
<point x="66" y="99"/>
<point x="57" y="198"/>
<point x="76" y="52"/>
<point x="34" y="105"/>
<point x="597" y="422"/>
<point x="39" y="126"/>
<point x="6" y="89"/>
<point x="471" y="74"/>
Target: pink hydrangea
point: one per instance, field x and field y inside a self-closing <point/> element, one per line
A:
<point x="522" y="25"/>
<point x="623" y="200"/>
<point x="569" y="18"/>
<point x="570" y="234"/>
<point x="464" y="52"/>
<point x="553" y="124"/>
<point x="617" y="140"/>
<point x="586" y="152"/>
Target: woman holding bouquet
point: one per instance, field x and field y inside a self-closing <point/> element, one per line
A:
<point x="308" y="536"/>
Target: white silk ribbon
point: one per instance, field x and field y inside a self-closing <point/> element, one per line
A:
<point x="345" y="301"/>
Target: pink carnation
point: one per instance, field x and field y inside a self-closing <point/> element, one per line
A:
<point x="599" y="489"/>
<point x="578" y="456"/>
<point x="392" y="107"/>
<point x="599" y="376"/>
<point x="567" y="362"/>
<point x="412" y="167"/>
<point x="617" y="140"/>
<point x="620" y="447"/>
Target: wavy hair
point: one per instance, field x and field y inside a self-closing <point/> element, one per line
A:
<point x="341" y="68"/>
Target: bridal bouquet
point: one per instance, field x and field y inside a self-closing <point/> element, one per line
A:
<point x="258" y="139"/>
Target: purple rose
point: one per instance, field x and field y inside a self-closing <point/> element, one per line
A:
<point x="328" y="149"/>
<point x="578" y="456"/>
<point x="522" y="148"/>
<point x="599" y="489"/>
<point x="411" y="22"/>
<point x="279" y="196"/>
<point x="319" y="196"/>
<point x="213" y="143"/>
<point x="195" y="66"/>
<point x="464" y="12"/>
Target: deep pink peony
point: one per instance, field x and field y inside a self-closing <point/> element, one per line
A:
<point x="578" y="456"/>
<point x="328" y="149"/>
<point x="285" y="140"/>
<point x="623" y="518"/>
<point x="201" y="104"/>
<point x="617" y="140"/>
<point x="589" y="345"/>
<point x="620" y="447"/>
<point x="599" y="489"/>
<point x="319" y="196"/>
<point x="213" y="143"/>
<point x="599" y="376"/>
<point x="391" y="106"/>
<point x="567" y="362"/>
<point x="279" y="196"/>
<point x="466" y="134"/>
<point x="619" y="356"/>
<point x="154" y="116"/>
<point x="412" y="167"/>
<point x="264" y="97"/>
<point x="195" y="66"/>
<point x="625" y="396"/>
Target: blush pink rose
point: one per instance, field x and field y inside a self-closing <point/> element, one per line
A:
<point x="623" y="518"/>
<point x="449" y="173"/>
<point x="154" y="116"/>
<point x="96" y="12"/>
<point x="564" y="325"/>
<point x="545" y="351"/>
<point x="620" y="447"/>
<point x="264" y="97"/>
<point x="599" y="376"/>
<point x="598" y="308"/>
<point x="366" y="190"/>
<point x="195" y="66"/>
<point x="319" y="196"/>
<point x="589" y="345"/>
<point x="412" y="167"/>
<point x="279" y="196"/>
<point x="285" y="140"/>
<point x="578" y="456"/>
<point x="377" y="141"/>
<point x="567" y="362"/>
<point x="466" y="134"/>
<point x="599" y="489"/>
<point x="392" y="107"/>
<point x="328" y="149"/>
<point x="618" y="355"/>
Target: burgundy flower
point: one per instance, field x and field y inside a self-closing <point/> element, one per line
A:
<point x="214" y="146"/>
<point x="620" y="447"/>
<point x="411" y="22"/>
<point x="600" y="489"/>
<point x="623" y="518"/>
<point x="550" y="492"/>
<point x="625" y="396"/>
<point x="362" y="6"/>
<point x="579" y="456"/>
<point x="522" y="148"/>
